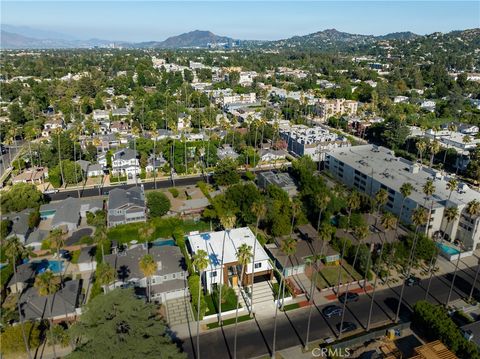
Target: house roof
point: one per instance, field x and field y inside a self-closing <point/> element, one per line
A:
<point x="282" y="180"/>
<point x="87" y="254"/>
<point x="125" y="154"/>
<point x="213" y="244"/>
<point x="119" y="197"/>
<point x="169" y="260"/>
<point x="168" y="286"/>
<point x="37" y="236"/>
<point x="65" y="300"/>
<point x="25" y="273"/>
<point x="68" y="210"/>
<point x="19" y="221"/>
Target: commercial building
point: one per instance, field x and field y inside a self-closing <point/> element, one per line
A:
<point x="369" y="168"/>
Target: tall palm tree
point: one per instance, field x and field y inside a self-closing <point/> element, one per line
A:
<point x="288" y="247"/>
<point x="451" y="215"/>
<point x="14" y="249"/>
<point x="135" y="134"/>
<point x="321" y="201"/>
<point x="353" y="202"/>
<point x="361" y="233"/>
<point x="200" y="262"/>
<point x="296" y="206"/>
<point x="148" y="266"/>
<point x="73" y="137"/>
<point x="57" y="241"/>
<point x="428" y="189"/>
<point x="473" y="210"/>
<point x="58" y="132"/>
<point x="46" y="285"/>
<point x="228" y="222"/>
<point x="421" y="147"/>
<point x="419" y="218"/>
<point x="105" y="274"/>
<point x="406" y="190"/>
<point x="146" y="231"/>
<point x="381" y="198"/>
<point x="434" y="148"/>
<point x="451" y="128"/>
<point x="101" y="239"/>
<point x="244" y="255"/>
<point x="388" y="222"/>
<point x="153" y="129"/>
<point x="259" y="209"/>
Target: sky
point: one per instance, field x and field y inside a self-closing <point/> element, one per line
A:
<point x="266" y="20"/>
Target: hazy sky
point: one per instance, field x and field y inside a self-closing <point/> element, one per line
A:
<point x="156" y="20"/>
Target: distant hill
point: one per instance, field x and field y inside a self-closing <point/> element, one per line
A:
<point x="197" y="38"/>
<point x="36" y="33"/>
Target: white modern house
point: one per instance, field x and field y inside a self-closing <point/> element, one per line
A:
<point x="124" y="163"/>
<point x="222" y="248"/>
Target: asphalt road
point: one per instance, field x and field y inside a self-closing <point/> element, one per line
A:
<point x="5" y="158"/>
<point x="255" y="337"/>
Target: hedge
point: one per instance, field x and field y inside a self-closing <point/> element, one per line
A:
<point x="194" y="288"/>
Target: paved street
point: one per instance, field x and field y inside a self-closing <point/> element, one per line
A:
<point x="255" y="337"/>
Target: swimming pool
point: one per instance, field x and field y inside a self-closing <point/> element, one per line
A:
<point x="163" y="242"/>
<point x="42" y="266"/>
<point x="447" y="249"/>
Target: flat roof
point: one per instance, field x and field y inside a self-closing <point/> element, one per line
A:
<point x="392" y="171"/>
<point x="212" y="243"/>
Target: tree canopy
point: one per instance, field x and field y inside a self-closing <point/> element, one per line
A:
<point x="117" y="325"/>
<point x="158" y="204"/>
<point x="20" y="197"/>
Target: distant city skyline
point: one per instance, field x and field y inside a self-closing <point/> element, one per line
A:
<point x="246" y="20"/>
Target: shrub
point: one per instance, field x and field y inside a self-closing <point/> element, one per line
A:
<point x="33" y="219"/>
<point x="174" y="192"/>
<point x="194" y="289"/>
<point x="75" y="256"/>
<point x="58" y="336"/>
<point x="250" y="176"/>
<point x="46" y="244"/>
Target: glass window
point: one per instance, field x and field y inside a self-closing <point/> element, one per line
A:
<point x="213" y="274"/>
<point x="258" y="265"/>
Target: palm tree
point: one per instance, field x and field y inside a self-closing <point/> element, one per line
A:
<point x="361" y="233"/>
<point x="135" y="133"/>
<point x="153" y="128"/>
<point x="57" y="241"/>
<point x="451" y="214"/>
<point x="46" y="285"/>
<point x="259" y="209"/>
<point x="421" y="147"/>
<point x="14" y="249"/>
<point x="101" y="239"/>
<point x="228" y="222"/>
<point x="388" y="222"/>
<point x="296" y="205"/>
<point x="451" y="128"/>
<point x="148" y="266"/>
<point x="58" y="132"/>
<point x="288" y="247"/>
<point x="428" y="190"/>
<point x="473" y="210"/>
<point x="406" y="190"/>
<point x="105" y="274"/>
<point x="419" y="218"/>
<point x="146" y="231"/>
<point x="381" y="198"/>
<point x="200" y="262"/>
<point x="321" y="201"/>
<point x="434" y="148"/>
<point x="73" y="137"/>
<point x="244" y="254"/>
<point x="353" y="202"/>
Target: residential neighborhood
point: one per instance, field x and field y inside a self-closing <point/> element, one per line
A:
<point x="274" y="196"/>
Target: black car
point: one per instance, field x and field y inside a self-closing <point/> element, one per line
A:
<point x="332" y="310"/>
<point x="350" y="297"/>
<point x="347" y="327"/>
<point x="412" y="280"/>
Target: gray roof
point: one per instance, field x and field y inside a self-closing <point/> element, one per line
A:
<point x="168" y="286"/>
<point x="119" y="197"/>
<point x="124" y="154"/>
<point x="84" y="165"/>
<point x="282" y="180"/>
<point x="66" y="300"/>
<point x="87" y="254"/>
<point x="67" y="212"/>
<point x="474" y="328"/>
<point x="127" y="263"/>
<point x="120" y="111"/>
<point x="25" y="273"/>
<point x="19" y="221"/>
<point x="37" y="236"/>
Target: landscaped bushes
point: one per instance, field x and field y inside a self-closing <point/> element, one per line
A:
<point x="435" y="323"/>
<point x="10" y="338"/>
<point x="115" y="179"/>
<point x="194" y="288"/>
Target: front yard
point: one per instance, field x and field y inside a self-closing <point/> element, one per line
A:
<point x="328" y="275"/>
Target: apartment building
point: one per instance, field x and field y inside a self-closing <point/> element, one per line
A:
<point x="311" y="141"/>
<point x="329" y="108"/>
<point x="369" y="168"/>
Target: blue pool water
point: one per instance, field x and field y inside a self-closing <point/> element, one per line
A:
<point x="163" y="242"/>
<point x="447" y="249"/>
<point x="42" y="266"/>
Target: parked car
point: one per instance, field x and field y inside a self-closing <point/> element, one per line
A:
<point x="50" y="191"/>
<point x="332" y="310"/>
<point x="347" y="327"/>
<point x="349" y="296"/>
<point x="412" y="280"/>
<point x="65" y="254"/>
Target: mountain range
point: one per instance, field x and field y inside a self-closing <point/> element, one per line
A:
<point x="13" y="37"/>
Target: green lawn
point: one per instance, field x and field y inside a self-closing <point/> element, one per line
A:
<point x="164" y="228"/>
<point x="288" y="307"/>
<point x="328" y="276"/>
<point x="212" y="304"/>
<point x="229" y="321"/>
